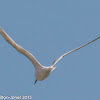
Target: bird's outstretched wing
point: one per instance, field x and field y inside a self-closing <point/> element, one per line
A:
<point x="55" y="61"/>
<point x="20" y="49"/>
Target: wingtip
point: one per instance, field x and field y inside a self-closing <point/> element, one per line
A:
<point x="1" y="29"/>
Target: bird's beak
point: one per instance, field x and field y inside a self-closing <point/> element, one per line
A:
<point x="35" y="82"/>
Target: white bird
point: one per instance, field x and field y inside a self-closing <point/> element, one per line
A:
<point x="41" y="72"/>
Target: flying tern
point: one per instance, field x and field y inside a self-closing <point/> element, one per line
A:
<point x="41" y="72"/>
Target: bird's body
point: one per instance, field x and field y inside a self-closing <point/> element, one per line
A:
<point x="41" y="72"/>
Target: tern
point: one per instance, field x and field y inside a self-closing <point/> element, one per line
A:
<point x="41" y="72"/>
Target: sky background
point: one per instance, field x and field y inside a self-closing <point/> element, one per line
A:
<point x="49" y="28"/>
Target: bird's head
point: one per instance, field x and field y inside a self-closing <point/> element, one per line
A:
<point x="35" y="82"/>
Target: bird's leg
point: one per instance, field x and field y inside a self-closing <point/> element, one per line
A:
<point x="35" y="82"/>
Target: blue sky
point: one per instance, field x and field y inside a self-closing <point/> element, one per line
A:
<point x="49" y="28"/>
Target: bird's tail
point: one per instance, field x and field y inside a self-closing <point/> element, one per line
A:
<point x="53" y="68"/>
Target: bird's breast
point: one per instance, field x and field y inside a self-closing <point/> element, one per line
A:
<point x="41" y="74"/>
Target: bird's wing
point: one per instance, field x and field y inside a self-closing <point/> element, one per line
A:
<point x="55" y="61"/>
<point x="20" y="49"/>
